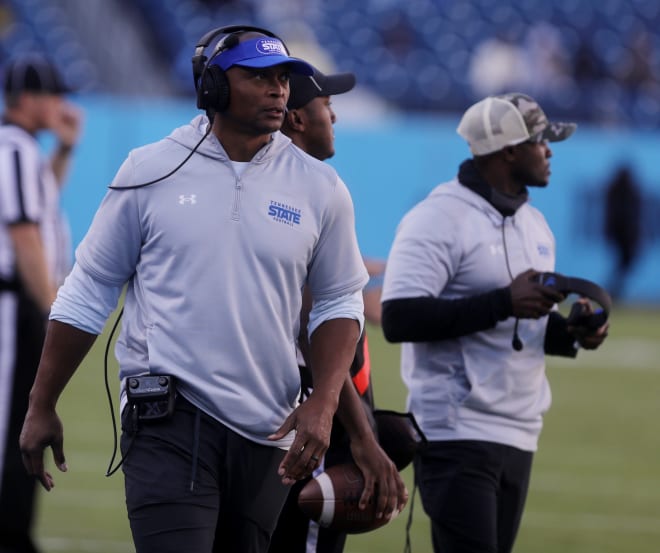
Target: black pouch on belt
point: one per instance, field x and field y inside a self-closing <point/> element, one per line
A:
<point x="151" y="396"/>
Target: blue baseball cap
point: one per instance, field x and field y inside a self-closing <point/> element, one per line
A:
<point x="261" y="52"/>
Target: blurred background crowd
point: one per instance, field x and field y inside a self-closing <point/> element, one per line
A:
<point x="593" y="61"/>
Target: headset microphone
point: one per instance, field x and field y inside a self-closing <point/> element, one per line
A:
<point x="230" y="42"/>
<point x="516" y="342"/>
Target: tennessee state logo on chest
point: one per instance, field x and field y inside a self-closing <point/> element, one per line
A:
<point x="282" y="212"/>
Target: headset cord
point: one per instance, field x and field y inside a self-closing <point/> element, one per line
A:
<point x="408" y="547"/>
<point x="134" y="186"/>
<point x="516" y="342"/>
<point x="110" y="470"/>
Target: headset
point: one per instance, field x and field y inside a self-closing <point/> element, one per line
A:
<point x="582" y="287"/>
<point x="211" y="83"/>
<point x="580" y="315"/>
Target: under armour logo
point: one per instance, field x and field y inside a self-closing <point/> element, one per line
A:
<point x="191" y="199"/>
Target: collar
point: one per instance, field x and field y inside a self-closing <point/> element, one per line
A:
<point x="506" y="204"/>
<point x="8" y="122"/>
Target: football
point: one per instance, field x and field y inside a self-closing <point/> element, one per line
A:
<point x="331" y="499"/>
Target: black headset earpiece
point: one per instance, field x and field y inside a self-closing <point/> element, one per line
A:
<point x="211" y="82"/>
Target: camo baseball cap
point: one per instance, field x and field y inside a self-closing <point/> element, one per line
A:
<point x="506" y="120"/>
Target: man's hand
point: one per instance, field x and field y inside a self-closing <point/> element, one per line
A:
<point x="41" y="429"/>
<point x="64" y="349"/>
<point x="531" y="300"/>
<point x="312" y="421"/>
<point x="381" y="479"/>
<point x="586" y="337"/>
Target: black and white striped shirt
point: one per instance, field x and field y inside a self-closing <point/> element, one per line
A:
<point x="29" y="193"/>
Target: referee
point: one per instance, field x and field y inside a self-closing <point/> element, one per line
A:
<point x="34" y="258"/>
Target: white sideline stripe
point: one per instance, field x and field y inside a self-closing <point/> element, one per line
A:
<point x="615" y="354"/>
<point x="585" y="521"/>
<point x="533" y="519"/>
<point x="103" y="499"/>
<point x="616" y="488"/>
<point x="53" y="543"/>
<point x="328" y="495"/>
<point x="592" y="521"/>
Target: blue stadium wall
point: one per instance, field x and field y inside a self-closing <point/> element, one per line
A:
<point x="390" y="165"/>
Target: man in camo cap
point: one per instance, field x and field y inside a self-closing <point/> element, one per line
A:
<point x="460" y="294"/>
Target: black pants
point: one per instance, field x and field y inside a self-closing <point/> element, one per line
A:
<point x="296" y="533"/>
<point x="193" y="485"/>
<point x="22" y="332"/>
<point x="474" y="492"/>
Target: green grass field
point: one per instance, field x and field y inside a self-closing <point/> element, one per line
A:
<point x="595" y="484"/>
